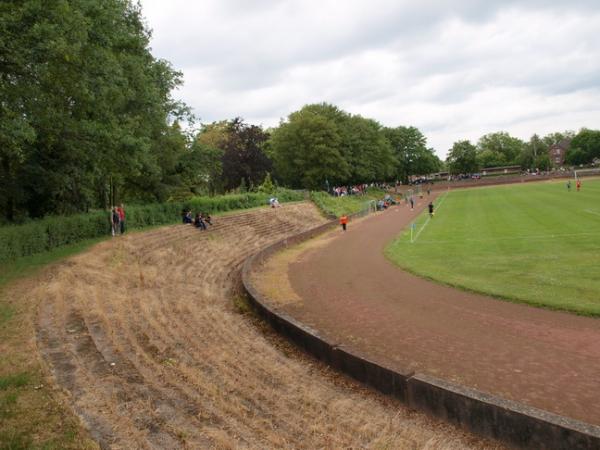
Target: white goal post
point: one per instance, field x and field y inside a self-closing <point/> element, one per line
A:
<point x="593" y="171"/>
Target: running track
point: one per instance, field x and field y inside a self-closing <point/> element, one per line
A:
<point x="355" y="297"/>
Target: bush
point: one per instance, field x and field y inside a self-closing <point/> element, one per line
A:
<point x="43" y="235"/>
<point x="348" y="204"/>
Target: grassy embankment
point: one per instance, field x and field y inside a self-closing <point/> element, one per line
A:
<point x="32" y="414"/>
<point x="535" y="243"/>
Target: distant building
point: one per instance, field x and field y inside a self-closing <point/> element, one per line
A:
<point x="557" y="152"/>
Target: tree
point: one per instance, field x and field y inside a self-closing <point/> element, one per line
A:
<point x="267" y="185"/>
<point x="542" y="162"/>
<point x="585" y="146"/>
<point x="557" y="137"/>
<point x="201" y="168"/>
<point x="576" y="157"/>
<point x="308" y="151"/>
<point x="243" y="157"/>
<point x="87" y="103"/>
<point x="462" y="158"/>
<point x="409" y="147"/>
<point x="367" y="151"/>
<point x="499" y="149"/>
<point x="427" y="162"/>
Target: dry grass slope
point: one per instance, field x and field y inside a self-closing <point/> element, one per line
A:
<point x="143" y="336"/>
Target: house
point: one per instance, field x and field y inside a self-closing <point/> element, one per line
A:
<point x="557" y="152"/>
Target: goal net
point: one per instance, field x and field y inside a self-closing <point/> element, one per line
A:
<point x="591" y="172"/>
<point x="368" y="207"/>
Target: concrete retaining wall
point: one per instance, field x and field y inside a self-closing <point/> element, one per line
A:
<point x="487" y="415"/>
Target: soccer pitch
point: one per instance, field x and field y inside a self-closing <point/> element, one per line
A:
<point x="536" y="243"/>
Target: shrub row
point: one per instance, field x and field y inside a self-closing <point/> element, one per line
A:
<point x="52" y="232"/>
<point x="346" y="205"/>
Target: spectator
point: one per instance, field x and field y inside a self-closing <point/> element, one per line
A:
<point x="115" y="221"/>
<point x="121" y="210"/>
<point x="198" y="222"/>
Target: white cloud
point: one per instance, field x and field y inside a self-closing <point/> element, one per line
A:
<point x="455" y="69"/>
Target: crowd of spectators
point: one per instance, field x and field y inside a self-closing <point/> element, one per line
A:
<point x="200" y="220"/>
<point x="357" y="189"/>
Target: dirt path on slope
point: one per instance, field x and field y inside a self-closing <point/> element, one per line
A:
<point x="142" y="335"/>
<point x="345" y="288"/>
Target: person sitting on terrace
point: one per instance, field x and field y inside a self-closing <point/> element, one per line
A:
<point x="187" y="216"/>
<point x="199" y="222"/>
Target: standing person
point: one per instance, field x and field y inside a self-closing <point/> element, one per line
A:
<point x="430" y="206"/>
<point x="121" y="211"/>
<point x="344" y="222"/>
<point x="569" y="185"/>
<point x="578" y="185"/>
<point x="412" y="203"/>
<point x="115" y="221"/>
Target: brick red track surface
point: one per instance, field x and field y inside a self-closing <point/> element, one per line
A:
<point x="354" y="296"/>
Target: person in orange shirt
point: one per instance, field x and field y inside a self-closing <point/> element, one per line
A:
<point x="344" y="222"/>
<point x="578" y="185"/>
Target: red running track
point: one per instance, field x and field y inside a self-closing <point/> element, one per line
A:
<point x="355" y="297"/>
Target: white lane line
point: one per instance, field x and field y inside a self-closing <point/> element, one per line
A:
<point x="513" y="238"/>
<point x="429" y="217"/>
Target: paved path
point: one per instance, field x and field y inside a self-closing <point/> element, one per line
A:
<point x="355" y="297"/>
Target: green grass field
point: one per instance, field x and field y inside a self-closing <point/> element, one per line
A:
<point x="535" y="243"/>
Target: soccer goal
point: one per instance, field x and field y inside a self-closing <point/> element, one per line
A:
<point x="368" y="207"/>
<point x="591" y="172"/>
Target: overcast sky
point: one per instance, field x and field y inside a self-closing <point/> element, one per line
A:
<point x="455" y="69"/>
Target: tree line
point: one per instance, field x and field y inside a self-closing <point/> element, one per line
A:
<point x="501" y="149"/>
<point x="313" y="148"/>
<point x="87" y="120"/>
<point x="86" y="113"/>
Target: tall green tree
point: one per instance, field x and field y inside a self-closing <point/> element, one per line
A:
<point x="462" y="158"/>
<point x="534" y="154"/>
<point x="585" y="147"/>
<point x="499" y="149"/>
<point x="367" y="150"/>
<point x="308" y="150"/>
<point x="409" y="147"/>
<point x="88" y="104"/>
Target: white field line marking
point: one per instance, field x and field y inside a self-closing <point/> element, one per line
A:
<point x="513" y="238"/>
<point x="592" y="212"/>
<point x="429" y="217"/>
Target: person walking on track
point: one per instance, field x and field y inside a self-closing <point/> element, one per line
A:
<point x="344" y="222"/>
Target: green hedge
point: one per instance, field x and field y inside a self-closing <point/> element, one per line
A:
<point x="348" y="204"/>
<point x="43" y="235"/>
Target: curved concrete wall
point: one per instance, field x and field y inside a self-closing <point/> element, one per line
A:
<point x="511" y="422"/>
